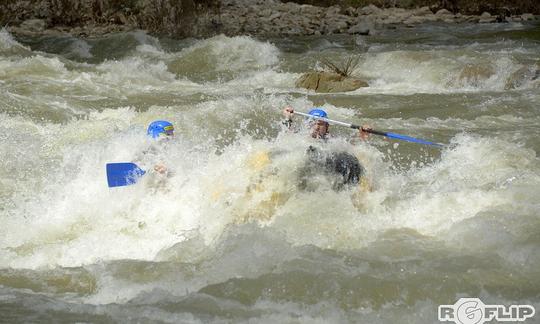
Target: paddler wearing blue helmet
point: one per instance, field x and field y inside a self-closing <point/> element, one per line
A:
<point x="160" y="130"/>
<point x="344" y="164"/>
<point x="319" y="128"/>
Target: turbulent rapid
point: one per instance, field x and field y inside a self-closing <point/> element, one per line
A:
<point x="230" y="236"/>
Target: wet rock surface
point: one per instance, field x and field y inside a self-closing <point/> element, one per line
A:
<point x="328" y="82"/>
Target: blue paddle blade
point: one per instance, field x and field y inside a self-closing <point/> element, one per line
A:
<point x="123" y="174"/>
<point x="411" y="139"/>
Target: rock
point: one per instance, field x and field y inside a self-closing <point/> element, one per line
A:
<point x="303" y="22"/>
<point x="310" y="10"/>
<point x="487" y="20"/>
<point x="474" y="74"/>
<point x="392" y="20"/>
<point x="34" y="25"/>
<point x="486" y="17"/>
<point x="422" y="11"/>
<point x="316" y="23"/>
<point x="443" y="12"/>
<point x="403" y="15"/>
<point x="527" y="16"/>
<point x="460" y="19"/>
<point x="290" y="7"/>
<point x="275" y="16"/>
<point x="360" y="29"/>
<point x="308" y="80"/>
<point x="350" y="11"/>
<point x="522" y="75"/>
<point x="265" y="13"/>
<point x="293" y="31"/>
<point x="333" y="11"/>
<point x="328" y="82"/>
<point x="180" y="18"/>
<point x="309" y="31"/>
<point x="121" y="18"/>
<point x="343" y="85"/>
<point x="370" y="10"/>
<point x="383" y="15"/>
<point x="335" y="26"/>
<point x="397" y="10"/>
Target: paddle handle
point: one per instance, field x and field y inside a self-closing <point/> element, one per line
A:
<point x="336" y="122"/>
<point x="372" y="131"/>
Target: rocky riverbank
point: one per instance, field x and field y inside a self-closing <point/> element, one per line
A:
<point x="272" y="17"/>
<point x="178" y="18"/>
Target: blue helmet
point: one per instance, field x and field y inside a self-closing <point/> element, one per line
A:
<point x="318" y="113"/>
<point x="159" y="127"/>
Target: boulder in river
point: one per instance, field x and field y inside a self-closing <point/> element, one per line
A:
<point x="328" y="82"/>
<point x="475" y="74"/>
<point x="521" y="76"/>
<point x="360" y="29"/>
<point x="527" y="16"/>
<point x="443" y="12"/>
<point x="486" y="17"/>
<point x="424" y="11"/>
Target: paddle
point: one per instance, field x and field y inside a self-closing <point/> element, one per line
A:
<point x="372" y="131"/>
<point x="123" y="174"/>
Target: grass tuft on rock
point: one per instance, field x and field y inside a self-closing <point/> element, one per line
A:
<point x="344" y="67"/>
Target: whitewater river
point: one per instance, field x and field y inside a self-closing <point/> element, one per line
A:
<point x="230" y="236"/>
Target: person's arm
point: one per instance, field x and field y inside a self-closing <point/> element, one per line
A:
<point x="288" y="112"/>
<point x="361" y="136"/>
<point x="148" y="160"/>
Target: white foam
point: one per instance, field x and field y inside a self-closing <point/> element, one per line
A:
<point x="146" y="40"/>
<point x="61" y="225"/>
<point x="81" y="48"/>
<point x="70" y="218"/>
<point x="235" y="53"/>
<point x="76" y="212"/>
<point x="7" y="42"/>
<point x="436" y="71"/>
<point x="35" y="66"/>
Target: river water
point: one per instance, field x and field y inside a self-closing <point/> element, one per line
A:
<point x="229" y="236"/>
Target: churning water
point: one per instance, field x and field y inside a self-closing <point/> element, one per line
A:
<point x="229" y="236"/>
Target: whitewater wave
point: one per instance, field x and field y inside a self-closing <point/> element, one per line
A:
<point x="8" y="45"/>
<point x="224" y="57"/>
<point x="407" y="72"/>
<point x="210" y="191"/>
